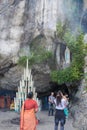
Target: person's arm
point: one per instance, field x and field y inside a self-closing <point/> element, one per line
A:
<point x="66" y="100"/>
<point x="36" y="109"/>
<point x="36" y="106"/>
<point x="54" y="102"/>
<point x="49" y="99"/>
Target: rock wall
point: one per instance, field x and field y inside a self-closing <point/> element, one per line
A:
<point x="11" y="28"/>
<point x="79" y="113"/>
<point x="21" y="21"/>
<point x="79" y="109"/>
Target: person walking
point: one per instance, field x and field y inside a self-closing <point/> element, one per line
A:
<point x="60" y="104"/>
<point x="28" y="119"/>
<point x="51" y="104"/>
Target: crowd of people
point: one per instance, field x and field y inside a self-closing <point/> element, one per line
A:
<point x="57" y="108"/>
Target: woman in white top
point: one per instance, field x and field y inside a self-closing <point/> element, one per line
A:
<point x="60" y="104"/>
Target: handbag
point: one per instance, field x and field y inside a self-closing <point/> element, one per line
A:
<point x="66" y="112"/>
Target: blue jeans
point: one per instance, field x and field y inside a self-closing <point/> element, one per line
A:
<point x="51" y="109"/>
<point x="62" y="122"/>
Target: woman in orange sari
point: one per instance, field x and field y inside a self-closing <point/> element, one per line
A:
<point x="28" y="118"/>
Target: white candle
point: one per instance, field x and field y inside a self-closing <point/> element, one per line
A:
<point x="22" y="83"/>
<point x="25" y="96"/>
<point x="24" y="74"/>
<point x="27" y="68"/>
<point x="34" y="90"/>
<point x="36" y="94"/>
<point x="16" y="94"/>
<point x="29" y="76"/>
<point x="20" y="104"/>
<point x="19" y="95"/>
<point x="18" y="89"/>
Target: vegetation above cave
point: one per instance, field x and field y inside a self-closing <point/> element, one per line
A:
<point x="38" y="53"/>
<point x="76" y="45"/>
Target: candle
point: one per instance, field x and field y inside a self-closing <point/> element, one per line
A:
<point x="24" y="74"/>
<point x="20" y="86"/>
<point x="34" y="89"/>
<point x="26" y="85"/>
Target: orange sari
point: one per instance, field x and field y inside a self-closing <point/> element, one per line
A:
<point x="28" y="119"/>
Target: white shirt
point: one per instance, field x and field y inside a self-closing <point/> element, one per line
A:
<point x="62" y="105"/>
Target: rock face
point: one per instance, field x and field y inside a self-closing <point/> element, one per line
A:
<point x="21" y="21"/>
<point x="79" y="113"/>
<point x="11" y="28"/>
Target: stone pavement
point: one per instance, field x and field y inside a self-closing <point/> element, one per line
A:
<point x="9" y="120"/>
<point x="47" y="122"/>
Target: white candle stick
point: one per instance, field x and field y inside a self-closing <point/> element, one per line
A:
<point x="26" y="85"/>
<point x="20" y="86"/>
<point x="34" y="89"/>
<point x="24" y="74"/>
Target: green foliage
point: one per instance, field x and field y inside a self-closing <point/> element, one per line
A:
<point x="67" y="75"/>
<point x="37" y="56"/>
<point x="60" y="29"/>
<point x="22" y="60"/>
<point x="75" y="71"/>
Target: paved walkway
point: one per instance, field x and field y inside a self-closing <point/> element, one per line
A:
<point x="46" y="122"/>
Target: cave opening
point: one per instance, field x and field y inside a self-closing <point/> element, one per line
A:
<point x="54" y="87"/>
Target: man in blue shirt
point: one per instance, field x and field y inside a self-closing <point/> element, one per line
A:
<point x="51" y="104"/>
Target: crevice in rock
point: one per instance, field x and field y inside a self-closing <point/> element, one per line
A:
<point x="5" y="66"/>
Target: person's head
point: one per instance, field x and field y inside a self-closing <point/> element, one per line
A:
<point x="52" y="93"/>
<point x="59" y="93"/>
<point x="59" y="96"/>
<point x="30" y="95"/>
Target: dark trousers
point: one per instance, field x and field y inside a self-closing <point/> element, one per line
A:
<point x="62" y="122"/>
<point x="59" y="118"/>
<point x="51" y="109"/>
